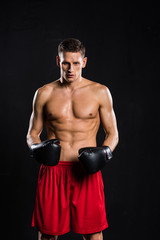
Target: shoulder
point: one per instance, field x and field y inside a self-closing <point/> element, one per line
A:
<point x="92" y="85"/>
<point x="103" y="95"/>
<point x="47" y="88"/>
<point x="44" y="92"/>
<point x="101" y="90"/>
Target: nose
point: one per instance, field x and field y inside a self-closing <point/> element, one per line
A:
<point x="70" y="68"/>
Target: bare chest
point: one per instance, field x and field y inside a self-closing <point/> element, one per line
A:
<point x="68" y="107"/>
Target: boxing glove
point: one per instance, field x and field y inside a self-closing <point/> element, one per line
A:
<point x="46" y="152"/>
<point x="94" y="158"/>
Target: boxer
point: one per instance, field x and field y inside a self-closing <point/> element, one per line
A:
<point x="70" y="184"/>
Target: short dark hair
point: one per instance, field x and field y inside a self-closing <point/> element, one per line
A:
<point x="71" y="45"/>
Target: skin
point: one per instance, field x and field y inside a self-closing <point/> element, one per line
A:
<point x="71" y="109"/>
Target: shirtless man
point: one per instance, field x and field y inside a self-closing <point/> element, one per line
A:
<point x="71" y="109"/>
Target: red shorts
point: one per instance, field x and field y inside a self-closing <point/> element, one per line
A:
<point x="65" y="193"/>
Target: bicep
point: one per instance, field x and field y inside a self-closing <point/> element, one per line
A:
<point x="107" y="113"/>
<point x="36" y="119"/>
<point x="108" y="120"/>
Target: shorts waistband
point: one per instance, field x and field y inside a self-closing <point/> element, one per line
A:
<point x="68" y="163"/>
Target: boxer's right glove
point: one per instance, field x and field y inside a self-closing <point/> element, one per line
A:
<point x="46" y="152"/>
<point x="94" y="158"/>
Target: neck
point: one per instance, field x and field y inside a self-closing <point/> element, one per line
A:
<point x="71" y="85"/>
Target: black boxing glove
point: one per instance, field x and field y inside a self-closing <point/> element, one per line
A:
<point x="94" y="158"/>
<point x="46" y="152"/>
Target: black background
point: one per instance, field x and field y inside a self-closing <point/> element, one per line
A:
<point x="122" y="42"/>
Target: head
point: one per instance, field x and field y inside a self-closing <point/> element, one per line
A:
<point x="71" y="59"/>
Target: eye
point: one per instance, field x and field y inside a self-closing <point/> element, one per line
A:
<point x="76" y="63"/>
<point x="64" y="63"/>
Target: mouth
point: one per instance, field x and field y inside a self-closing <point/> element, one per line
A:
<point x="70" y="75"/>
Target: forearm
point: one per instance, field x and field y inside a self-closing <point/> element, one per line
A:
<point x="111" y="140"/>
<point x="32" y="138"/>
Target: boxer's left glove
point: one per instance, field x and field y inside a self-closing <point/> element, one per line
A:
<point x="94" y="158"/>
<point x="46" y="152"/>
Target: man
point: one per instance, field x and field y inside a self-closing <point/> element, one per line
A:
<point x="71" y="109"/>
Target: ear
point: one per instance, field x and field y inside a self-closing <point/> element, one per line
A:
<point x="84" y="62"/>
<point x="58" y="61"/>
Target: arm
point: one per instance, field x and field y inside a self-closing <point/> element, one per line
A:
<point x="36" y="119"/>
<point x="48" y="151"/>
<point x="108" y="118"/>
<point x="95" y="158"/>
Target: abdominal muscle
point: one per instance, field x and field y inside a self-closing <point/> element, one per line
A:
<point x="73" y="136"/>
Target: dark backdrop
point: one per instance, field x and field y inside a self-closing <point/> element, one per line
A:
<point x="123" y="51"/>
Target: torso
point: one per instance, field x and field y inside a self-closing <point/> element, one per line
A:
<point x="72" y="117"/>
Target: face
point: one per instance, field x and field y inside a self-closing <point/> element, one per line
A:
<point x="71" y="64"/>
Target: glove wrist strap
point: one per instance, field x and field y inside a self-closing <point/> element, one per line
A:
<point x="108" y="152"/>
